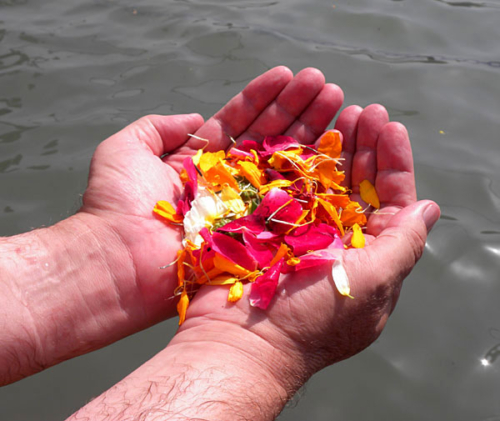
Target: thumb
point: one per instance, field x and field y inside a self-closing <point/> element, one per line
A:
<point x="396" y="250"/>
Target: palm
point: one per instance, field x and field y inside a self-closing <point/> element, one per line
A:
<point x="128" y="175"/>
<point x="380" y="152"/>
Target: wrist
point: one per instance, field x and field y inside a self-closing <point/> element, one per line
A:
<point x="61" y="295"/>
<point x="265" y="366"/>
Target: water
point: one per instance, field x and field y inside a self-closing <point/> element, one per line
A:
<point x="70" y="75"/>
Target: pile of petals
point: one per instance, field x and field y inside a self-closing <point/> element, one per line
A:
<point x="261" y="210"/>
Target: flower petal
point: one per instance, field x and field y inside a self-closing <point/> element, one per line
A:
<point x="264" y="287"/>
<point x="309" y="237"/>
<point x="233" y="250"/>
<point x="167" y="211"/>
<point x="235" y="292"/>
<point x="330" y="144"/>
<point x="182" y="307"/>
<point x="357" y="239"/>
<point x="369" y="194"/>
<point x="340" y="278"/>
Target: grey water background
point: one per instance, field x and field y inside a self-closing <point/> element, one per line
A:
<point x="72" y="73"/>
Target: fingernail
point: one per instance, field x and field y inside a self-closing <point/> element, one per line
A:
<point x="430" y="215"/>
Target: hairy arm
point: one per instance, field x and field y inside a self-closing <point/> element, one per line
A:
<point x="210" y="371"/>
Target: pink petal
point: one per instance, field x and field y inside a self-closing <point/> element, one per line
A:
<point x="314" y="259"/>
<point x="264" y="287"/>
<point x="190" y="169"/>
<point x="278" y="143"/>
<point x="184" y="204"/>
<point x="233" y="250"/>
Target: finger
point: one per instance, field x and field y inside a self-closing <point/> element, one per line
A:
<point x="241" y="111"/>
<point x="389" y="259"/>
<point x="395" y="180"/>
<point x="347" y="125"/>
<point x="364" y="164"/>
<point x="288" y="106"/>
<point x="159" y="134"/>
<point x="318" y="115"/>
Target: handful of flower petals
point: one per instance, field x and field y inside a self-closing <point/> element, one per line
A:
<point x="261" y="210"/>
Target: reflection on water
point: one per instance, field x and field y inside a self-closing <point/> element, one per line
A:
<point x="72" y="74"/>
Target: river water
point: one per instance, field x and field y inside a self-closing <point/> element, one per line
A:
<point x="72" y="73"/>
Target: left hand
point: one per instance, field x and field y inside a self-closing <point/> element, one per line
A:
<point x="128" y="175"/>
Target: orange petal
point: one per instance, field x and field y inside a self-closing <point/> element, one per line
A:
<point x="182" y="307"/>
<point x="330" y="144"/>
<point x="252" y="173"/>
<point x="226" y="265"/>
<point x="333" y="213"/>
<point x="353" y="214"/>
<point x="369" y="194"/>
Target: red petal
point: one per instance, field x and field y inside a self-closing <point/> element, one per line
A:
<point x="310" y="237"/>
<point x="258" y="249"/>
<point x="251" y="223"/>
<point x="233" y="250"/>
<point x="264" y="287"/>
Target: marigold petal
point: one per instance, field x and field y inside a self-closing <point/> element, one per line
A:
<point x="369" y="194"/>
<point x="167" y="211"/>
<point x="357" y="239"/>
<point x="330" y="144"/>
<point x="333" y="213"/>
<point x="235" y="292"/>
<point x="182" y="307"/>
<point x="252" y="173"/>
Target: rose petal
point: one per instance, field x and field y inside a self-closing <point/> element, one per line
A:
<point x="251" y="223"/>
<point x="264" y="287"/>
<point x="310" y="237"/>
<point x="258" y="249"/>
<point x="278" y="143"/>
<point x="233" y="251"/>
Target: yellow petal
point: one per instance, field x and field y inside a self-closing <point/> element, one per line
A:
<point x="197" y="157"/>
<point x="358" y="239"/>
<point x="167" y="211"/>
<point x="209" y="160"/>
<point x="224" y="280"/>
<point x="182" y="307"/>
<point x="369" y="194"/>
<point x="235" y="292"/>
<point x="330" y="144"/>
<point x="232" y="200"/>
<point x="280" y="183"/>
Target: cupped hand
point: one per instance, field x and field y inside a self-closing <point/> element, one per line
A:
<point x="308" y="322"/>
<point x="140" y="165"/>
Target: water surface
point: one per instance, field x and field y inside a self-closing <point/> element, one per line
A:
<point x="71" y="75"/>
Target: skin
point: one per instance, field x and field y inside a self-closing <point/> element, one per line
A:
<point x="228" y="361"/>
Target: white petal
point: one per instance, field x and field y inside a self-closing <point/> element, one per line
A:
<point x="340" y="278"/>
